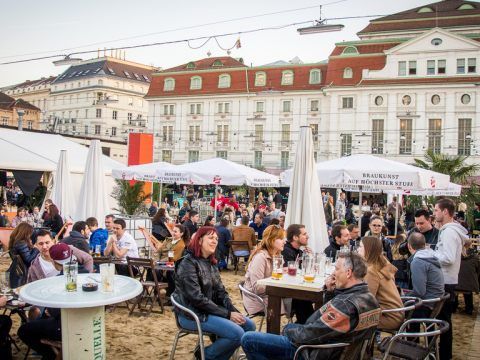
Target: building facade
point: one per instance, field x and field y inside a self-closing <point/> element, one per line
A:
<point x="410" y="83"/>
<point x="9" y="113"/>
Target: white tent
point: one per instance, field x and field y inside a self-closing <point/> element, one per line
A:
<point x="145" y="172"/>
<point x="25" y="150"/>
<point x="222" y="172"/>
<point x="368" y="171"/>
<point x="452" y="190"/>
<point x="305" y="201"/>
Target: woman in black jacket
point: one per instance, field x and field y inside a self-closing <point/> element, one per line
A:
<point x="198" y="286"/>
<point x="159" y="225"/>
<point x="55" y="221"/>
<point x="21" y="244"/>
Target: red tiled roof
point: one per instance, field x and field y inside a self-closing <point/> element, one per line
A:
<point x="441" y="10"/>
<point x="429" y="80"/>
<point x="38" y="82"/>
<point x="337" y="66"/>
<point x="364" y="49"/>
<point x="8" y="103"/>
<point x="238" y="81"/>
<point x="207" y="63"/>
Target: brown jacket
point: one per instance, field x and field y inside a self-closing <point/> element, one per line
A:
<point x="243" y="233"/>
<point x="382" y="285"/>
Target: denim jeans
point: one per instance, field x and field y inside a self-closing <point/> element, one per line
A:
<point x="263" y="346"/>
<point x="229" y="334"/>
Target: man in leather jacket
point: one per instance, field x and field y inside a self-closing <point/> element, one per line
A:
<point x="350" y="316"/>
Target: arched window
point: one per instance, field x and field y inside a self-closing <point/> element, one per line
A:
<point x="169" y="84"/>
<point x="315" y="76"/>
<point x="425" y="10"/>
<point x="191" y="65"/>
<point x="466" y="7"/>
<point x="287" y="77"/>
<point x="260" y="78"/>
<point x="349" y="50"/>
<point x="224" y="81"/>
<point x="195" y="83"/>
<point x="100" y="82"/>
<point x="217" y="63"/>
<point x="347" y="73"/>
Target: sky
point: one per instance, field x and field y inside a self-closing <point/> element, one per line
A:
<point x="56" y="27"/>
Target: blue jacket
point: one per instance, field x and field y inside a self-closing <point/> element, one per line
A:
<point x="99" y="237"/>
<point x="427" y="275"/>
<point x="258" y="229"/>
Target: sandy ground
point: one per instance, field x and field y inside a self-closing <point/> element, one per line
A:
<point x="142" y="337"/>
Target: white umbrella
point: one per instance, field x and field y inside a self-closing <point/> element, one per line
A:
<point x="62" y="192"/>
<point x="305" y="201"/>
<point x="146" y="172"/>
<point x="93" y="198"/>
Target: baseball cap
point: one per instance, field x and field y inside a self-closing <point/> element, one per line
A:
<point x="61" y="253"/>
<point x="262" y="207"/>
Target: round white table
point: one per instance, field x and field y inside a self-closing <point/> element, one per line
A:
<point x="83" y="313"/>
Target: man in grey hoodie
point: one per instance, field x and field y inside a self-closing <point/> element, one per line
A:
<point x="426" y="273"/>
<point x="449" y="254"/>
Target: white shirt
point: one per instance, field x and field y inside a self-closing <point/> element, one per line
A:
<point x="48" y="268"/>
<point x="128" y="242"/>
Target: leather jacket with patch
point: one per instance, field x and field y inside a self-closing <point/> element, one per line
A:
<point x="198" y="286"/>
<point x="350" y="316"/>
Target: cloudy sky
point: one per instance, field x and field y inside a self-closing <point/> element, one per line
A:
<point x="32" y="28"/>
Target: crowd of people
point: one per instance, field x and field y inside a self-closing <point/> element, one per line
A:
<point x="424" y="259"/>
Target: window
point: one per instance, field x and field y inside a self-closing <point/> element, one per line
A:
<point x="431" y="67"/>
<point x="425" y="10"/>
<point x="191" y="65"/>
<point x="460" y="66"/>
<point x="465" y="99"/>
<point x="195" y="109"/>
<point x="260" y="78"/>
<point x="4" y="121"/>
<point x="405" y="136"/>
<point x="284" y="159"/>
<point x="286" y="106"/>
<point x="169" y="109"/>
<point x="129" y="117"/>
<point x="347" y="103"/>
<point x="314" y="132"/>
<point x="402" y="68"/>
<point x="347" y="73"/>
<point x="195" y="83"/>
<point x="350" y="50"/>
<point x="442" y="66"/>
<point x="217" y="63"/>
<point x="472" y="65"/>
<point x="436" y="41"/>
<point x="257" y="160"/>
<point x="377" y="136"/>
<point x="285" y="134"/>
<point x="315" y="76"/>
<point x="466" y="7"/>
<point x="412" y="68"/>
<point x="193" y="156"/>
<point x="98" y="113"/>
<point x="287" y="77"/>
<point x="258" y="133"/>
<point x="86" y="129"/>
<point x="378" y="100"/>
<point x="224" y="81"/>
<point x="315" y="156"/>
<point x="98" y="129"/>
<point x="435" y="135"/>
<point x="130" y="101"/>
<point x="86" y="113"/>
<point x="346" y="145"/>
<point x="223" y="107"/>
<point x="259" y="106"/>
<point x="222" y="133"/>
<point x="114" y="114"/>
<point x="314" y="105"/>
<point x="167" y="133"/>
<point x="167" y="156"/>
<point x="194" y="133"/>
<point x="169" y="84"/>
<point x="30" y="125"/>
<point x="435" y="99"/>
<point x="222" y="155"/>
<point x="464" y="137"/>
<point x="100" y="82"/>
<point x="127" y="74"/>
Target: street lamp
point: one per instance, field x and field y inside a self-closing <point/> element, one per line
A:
<point x="20" y="113"/>
<point x="67" y="60"/>
<point x="320" y="26"/>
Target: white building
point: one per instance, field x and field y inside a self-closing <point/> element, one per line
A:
<point x="410" y="83"/>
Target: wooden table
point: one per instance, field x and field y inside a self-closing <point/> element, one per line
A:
<point x="289" y="287"/>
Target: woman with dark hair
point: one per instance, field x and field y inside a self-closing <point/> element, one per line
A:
<point x="55" y="221"/>
<point x="21" y="244"/>
<point x="159" y="225"/>
<point x="198" y="286"/>
<point x="209" y="221"/>
<point x="380" y="279"/>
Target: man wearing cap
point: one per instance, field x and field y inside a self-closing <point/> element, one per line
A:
<point x="45" y="266"/>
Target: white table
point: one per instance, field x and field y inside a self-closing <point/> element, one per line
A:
<point x="83" y="313"/>
<point x="289" y="287"/>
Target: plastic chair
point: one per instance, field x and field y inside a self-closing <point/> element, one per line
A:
<point x="403" y="345"/>
<point x="184" y="332"/>
<point x="262" y="314"/>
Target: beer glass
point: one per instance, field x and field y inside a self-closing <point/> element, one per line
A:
<point x="277" y="272"/>
<point x="107" y="275"/>
<point x="308" y="266"/>
<point x="70" y="271"/>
